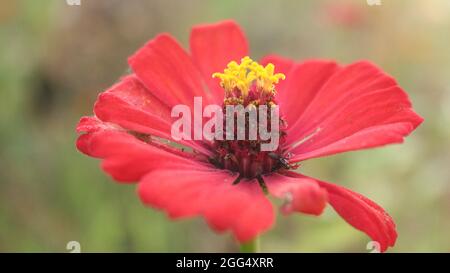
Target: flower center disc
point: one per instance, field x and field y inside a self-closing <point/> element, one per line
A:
<point x="251" y="86"/>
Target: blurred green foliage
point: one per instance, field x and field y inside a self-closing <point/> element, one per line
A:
<point x="56" y="58"/>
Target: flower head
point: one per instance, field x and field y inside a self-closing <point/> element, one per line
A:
<point x="325" y="109"/>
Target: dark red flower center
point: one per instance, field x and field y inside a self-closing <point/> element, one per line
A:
<point x="253" y="87"/>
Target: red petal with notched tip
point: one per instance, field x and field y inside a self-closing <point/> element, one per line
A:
<point x="358" y="107"/>
<point x="132" y="106"/>
<point x="359" y="211"/>
<point x="363" y="214"/>
<point x="242" y="208"/>
<point x="125" y="157"/>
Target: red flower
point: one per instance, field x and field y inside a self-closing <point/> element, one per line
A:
<point x="328" y="109"/>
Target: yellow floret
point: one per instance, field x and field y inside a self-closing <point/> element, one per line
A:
<point x="243" y="75"/>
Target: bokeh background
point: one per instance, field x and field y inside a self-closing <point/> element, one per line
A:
<point x="56" y="58"/>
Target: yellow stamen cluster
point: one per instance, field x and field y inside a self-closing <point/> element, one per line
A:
<point x="243" y="75"/>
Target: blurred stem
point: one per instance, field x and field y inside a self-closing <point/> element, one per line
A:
<point x="250" y="246"/>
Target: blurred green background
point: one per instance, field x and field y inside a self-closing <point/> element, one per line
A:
<point x="56" y="58"/>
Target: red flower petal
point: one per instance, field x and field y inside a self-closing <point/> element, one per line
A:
<point x="241" y="208"/>
<point x="167" y="71"/>
<point x="301" y="86"/>
<point x="125" y="157"/>
<point x="130" y="105"/>
<point x="359" y="211"/>
<point x="213" y="46"/>
<point x="358" y="107"/>
<point x="301" y="193"/>
<point x="363" y="214"/>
